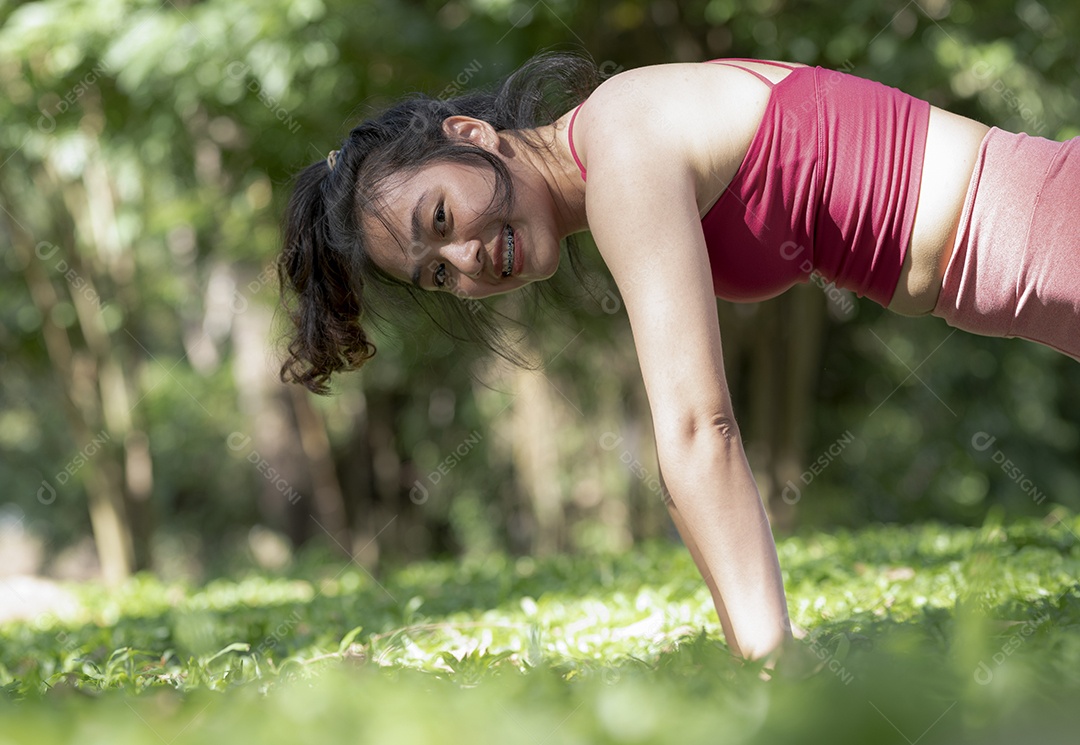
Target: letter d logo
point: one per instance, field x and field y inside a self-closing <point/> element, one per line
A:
<point x="611" y="303"/>
<point x="610" y="441"/>
<point x="418" y="494"/>
<point x="46" y="123"/>
<point x="237" y="441"/>
<point x="45" y="493"/>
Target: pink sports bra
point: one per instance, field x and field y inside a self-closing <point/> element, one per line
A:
<point x="829" y="185"/>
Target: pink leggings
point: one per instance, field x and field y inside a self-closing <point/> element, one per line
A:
<point x="1015" y="270"/>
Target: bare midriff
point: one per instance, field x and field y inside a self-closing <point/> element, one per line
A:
<point x="952" y="145"/>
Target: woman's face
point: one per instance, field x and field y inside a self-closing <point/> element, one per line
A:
<point x="448" y="237"/>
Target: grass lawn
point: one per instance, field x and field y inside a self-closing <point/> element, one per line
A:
<point x="926" y="634"/>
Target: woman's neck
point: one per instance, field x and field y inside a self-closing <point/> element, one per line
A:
<point x="554" y="165"/>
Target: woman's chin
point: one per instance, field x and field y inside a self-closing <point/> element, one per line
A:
<point x="547" y="271"/>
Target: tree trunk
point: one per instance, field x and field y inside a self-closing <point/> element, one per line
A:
<point x="269" y="439"/>
<point x="771" y="356"/>
<point x="77" y="373"/>
<point x="536" y="458"/>
<point x="798" y="378"/>
<point x="329" y="502"/>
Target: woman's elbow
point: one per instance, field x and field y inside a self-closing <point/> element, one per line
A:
<point x="689" y="431"/>
<point x="722" y="427"/>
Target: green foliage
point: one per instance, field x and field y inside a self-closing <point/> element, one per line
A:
<point x="954" y="634"/>
<point x="154" y="144"/>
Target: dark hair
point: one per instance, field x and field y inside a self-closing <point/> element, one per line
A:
<point x="325" y="270"/>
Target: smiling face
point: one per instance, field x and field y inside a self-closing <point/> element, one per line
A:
<point x="447" y="233"/>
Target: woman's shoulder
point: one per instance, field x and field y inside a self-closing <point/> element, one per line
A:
<point x="696" y="116"/>
<point x="647" y="94"/>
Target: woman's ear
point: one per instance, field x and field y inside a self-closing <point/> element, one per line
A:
<point x="476" y="131"/>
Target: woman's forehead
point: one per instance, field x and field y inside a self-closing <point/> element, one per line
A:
<point x="391" y="207"/>
<point x="388" y="223"/>
<point x="386" y="238"/>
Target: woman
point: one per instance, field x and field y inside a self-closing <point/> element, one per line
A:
<point x="737" y="179"/>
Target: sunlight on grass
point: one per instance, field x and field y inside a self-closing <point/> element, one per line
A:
<point x="940" y="633"/>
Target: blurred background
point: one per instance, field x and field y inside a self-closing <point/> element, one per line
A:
<point x="146" y="154"/>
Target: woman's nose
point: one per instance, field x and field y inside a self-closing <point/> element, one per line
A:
<point x="466" y="256"/>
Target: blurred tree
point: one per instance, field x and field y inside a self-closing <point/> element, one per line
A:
<point x="149" y="149"/>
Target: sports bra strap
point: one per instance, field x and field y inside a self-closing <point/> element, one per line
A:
<point x="784" y="65"/>
<point x="570" y="139"/>
<point x="758" y="75"/>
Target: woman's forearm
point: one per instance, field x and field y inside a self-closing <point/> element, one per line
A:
<point x="713" y="491"/>
<point x="699" y="562"/>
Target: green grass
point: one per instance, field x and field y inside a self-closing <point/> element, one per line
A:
<point x="925" y="634"/>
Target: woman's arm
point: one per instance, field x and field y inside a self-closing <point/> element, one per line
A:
<point x="648" y="230"/>
<point x="699" y="562"/>
<point x="714" y="500"/>
<point x="729" y="538"/>
<point x="643" y="213"/>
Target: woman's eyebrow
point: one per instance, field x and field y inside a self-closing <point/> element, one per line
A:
<point x="417" y="234"/>
<point x="417" y="226"/>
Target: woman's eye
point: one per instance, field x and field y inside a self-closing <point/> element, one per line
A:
<point x="440" y="218"/>
<point x="439" y="276"/>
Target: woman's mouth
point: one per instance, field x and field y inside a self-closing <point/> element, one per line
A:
<point x="508" y="254"/>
